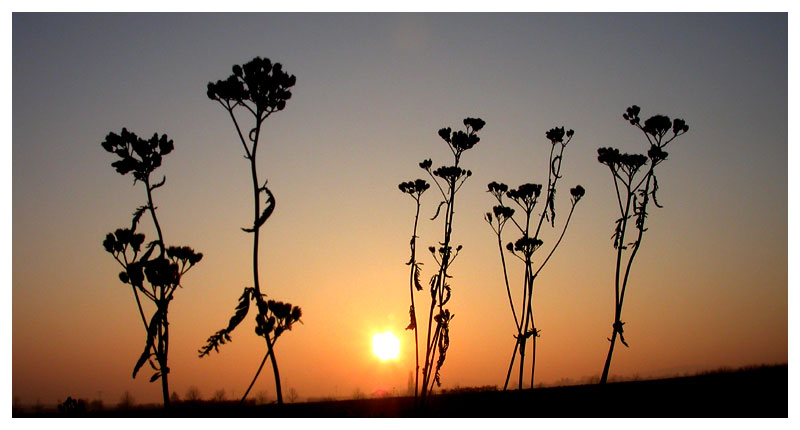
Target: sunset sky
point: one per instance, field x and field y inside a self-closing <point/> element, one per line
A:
<point x="708" y="289"/>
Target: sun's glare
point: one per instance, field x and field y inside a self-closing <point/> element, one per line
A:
<point x="386" y="345"/>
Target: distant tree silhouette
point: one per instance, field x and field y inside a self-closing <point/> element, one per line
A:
<point x="526" y="196"/>
<point x="450" y="179"/>
<point x="634" y="190"/>
<point x="193" y="394"/>
<point x="414" y="189"/>
<point x="127" y="401"/>
<point x="161" y="270"/>
<point x="259" y="88"/>
<point x="72" y="407"/>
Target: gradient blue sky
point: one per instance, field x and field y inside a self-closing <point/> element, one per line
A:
<point x="709" y="288"/>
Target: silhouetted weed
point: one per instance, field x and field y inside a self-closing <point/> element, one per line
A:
<point x="161" y="271"/>
<point x="635" y="190"/>
<point x="414" y="189"/>
<point x="525" y="197"/>
<point x="448" y="179"/>
<point x="259" y="88"/>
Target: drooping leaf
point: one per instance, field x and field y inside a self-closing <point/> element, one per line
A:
<point x="163" y="180"/>
<point x="653" y="193"/>
<point x="437" y="210"/>
<point x="267" y="210"/>
<point x="137" y="215"/>
<point x="222" y="336"/>
<point x="155" y="376"/>
<point x="417" y="271"/>
<point x="150" y="247"/>
<point x="412" y="316"/>
<point x="152" y="330"/>
<point x="448" y="291"/>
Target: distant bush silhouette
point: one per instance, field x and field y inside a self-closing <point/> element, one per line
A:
<point x="219" y="395"/>
<point x="193" y="394"/>
<point x="526" y="196"/>
<point x="634" y="191"/>
<point x="73" y="406"/>
<point x="161" y="270"/>
<point x="260" y="88"/>
<point x="450" y="179"/>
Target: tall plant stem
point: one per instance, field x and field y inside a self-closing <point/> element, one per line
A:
<point x="413" y="308"/>
<point x="430" y="353"/>
<point x="511" y="365"/>
<point x="621" y="290"/>
<point x="256" y="230"/>
<point x="617" y="303"/>
<point x="161" y="304"/>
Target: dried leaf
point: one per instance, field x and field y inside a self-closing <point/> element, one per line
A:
<point x="413" y="317"/>
<point x="137" y="215"/>
<point x="437" y="210"/>
<point x="152" y="330"/>
<point x="417" y="284"/>
<point x="222" y="336"/>
<point x="164" y="179"/>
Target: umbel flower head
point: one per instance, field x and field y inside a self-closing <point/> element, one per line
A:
<point x="451" y="173"/>
<point x="258" y="81"/>
<point x="137" y="155"/>
<point x="657" y="125"/>
<point x="527" y="245"/>
<point x="461" y="141"/>
<point x="417" y="186"/>
<point x="503" y="212"/>
<point x="525" y="194"/>
<point x="498" y="190"/>
<point x="613" y="159"/>
<point x="556" y="135"/>
<point x="577" y="193"/>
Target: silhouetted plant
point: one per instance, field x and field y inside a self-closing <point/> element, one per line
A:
<point x="414" y="189"/>
<point x="635" y="191"/>
<point x="162" y="272"/>
<point x="526" y="196"/>
<point x="259" y="88"/>
<point x="448" y="180"/>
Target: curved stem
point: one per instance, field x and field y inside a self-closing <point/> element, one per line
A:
<point x="505" y="277"/>
<point x="258" y="372"/>
<point x="557" y="242"/>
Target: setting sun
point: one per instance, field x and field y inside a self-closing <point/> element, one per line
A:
<point x="386" y="346"/>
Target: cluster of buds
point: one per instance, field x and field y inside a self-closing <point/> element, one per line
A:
<point x="276" y="316"/>
<point x="137" y="155"/>
<point x="258" y="81"/>
<point x="415" y="187"/>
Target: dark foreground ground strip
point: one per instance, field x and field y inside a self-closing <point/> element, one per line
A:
<point x="759" y="393"/>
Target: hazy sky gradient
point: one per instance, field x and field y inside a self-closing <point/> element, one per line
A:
<point x="708" y="289"/>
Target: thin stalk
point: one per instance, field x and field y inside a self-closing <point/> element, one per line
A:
<point x="617" y="303"/>
<point x="511" y="365"/>
<point x="258" y="372"/>
<point x="411" y="291"/>
<point x="508" y="287"/>
<point x="161" y="350"/>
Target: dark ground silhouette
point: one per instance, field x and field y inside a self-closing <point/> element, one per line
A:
<point x="760" y="392"/>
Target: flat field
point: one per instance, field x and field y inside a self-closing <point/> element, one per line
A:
<point x="760" y="392"/>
